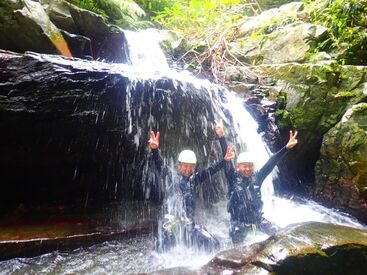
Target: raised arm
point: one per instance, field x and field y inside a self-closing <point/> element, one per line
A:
<point x="206" y="173"/>
<point x="229" y="168"/>
<point x="219" y="131"/>
<point x="154" y="145"/>
<point x="273" y="160"/>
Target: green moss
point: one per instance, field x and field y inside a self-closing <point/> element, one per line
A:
<point x="347" y="259"/>
<point x="275" y="23"/>
<point x="346" y="24"/>
<point x="362" y="108"/>
<point x="283" y="119"/>
<point x="345" y="94"/>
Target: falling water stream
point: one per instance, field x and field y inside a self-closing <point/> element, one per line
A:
<point x="137" y="255"/>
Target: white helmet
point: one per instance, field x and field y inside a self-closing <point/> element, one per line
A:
<point x="187" y="156"/>
<point x="245" y="157"/>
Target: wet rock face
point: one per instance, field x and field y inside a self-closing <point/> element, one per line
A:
<point x="317" y="99"/>
<point x="341" y="172"/>
<point x="299" y="249"/>
<point x="75" y="131"/>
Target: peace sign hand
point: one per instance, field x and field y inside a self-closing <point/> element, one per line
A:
<point x="219" y="130"/>
<point x="292" y="140"/>
<point x="154" y="140"/>
<point x="229" y="154"/>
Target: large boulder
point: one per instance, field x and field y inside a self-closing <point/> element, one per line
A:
<point x="291" y="43"/>
<point x="314" y="99"/>
<point x="311" y="98"/>
<point x="268" y="17"/>
<point x="24" y="26"/>
<point x="278" y="35"/>
<point x="42" y="25"/>
<point x="76" y="131"/>
<point x="308" y="248"/>
<point x="341" y="172"/>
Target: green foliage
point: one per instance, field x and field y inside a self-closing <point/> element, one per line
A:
<point x="346" y="22"/>
<point x="90" y="5"/>
<point x="125" y="13"/>
<point x="283" y="118"/>
<point x="268" y="4"/>
<point x="277" y="22"/>
<point x="195" y="16"/>
<point x="154" y="7"/>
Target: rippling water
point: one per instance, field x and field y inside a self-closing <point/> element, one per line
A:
<point x="132" y="256"/>
<point x="137" y="255"/>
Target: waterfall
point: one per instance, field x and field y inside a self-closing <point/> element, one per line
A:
<point x="145" y="52"/>
<point x="280" y="211"/>
<point x="241" y="132"/>
<point x="149" y="70"/>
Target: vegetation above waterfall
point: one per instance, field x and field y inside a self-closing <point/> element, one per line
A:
<point x="210" y="26"/>
<point x="125" y="13"/>
<point x="346" y="22"/>
<point x="220" y="34"/>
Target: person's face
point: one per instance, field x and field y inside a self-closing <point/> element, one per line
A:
<point x="245" y="169"/>
<point x="186" y="169"/>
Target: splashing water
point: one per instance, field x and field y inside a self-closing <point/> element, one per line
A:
<point x="275" y="207"/>
<point x="246" y="138"/>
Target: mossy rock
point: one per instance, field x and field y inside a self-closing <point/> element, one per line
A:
<point x="311" y="98"/>
<point x="307" y="248"/>
<point x="291" y="43"/>
<point x="341" y="174"/>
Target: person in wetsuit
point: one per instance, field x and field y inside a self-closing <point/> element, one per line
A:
<point x="183" y="188"/>
<point x="244" y="194"/>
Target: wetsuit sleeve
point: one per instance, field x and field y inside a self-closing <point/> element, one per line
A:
<point x="269" y="165"/>
<point x="228" y="169"/>
<point x="157" y="160"/>
<point x="223" y="145"/>
<point x="206" y="173"/>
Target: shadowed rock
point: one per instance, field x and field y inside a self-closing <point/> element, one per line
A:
<point x="75" y="131"/>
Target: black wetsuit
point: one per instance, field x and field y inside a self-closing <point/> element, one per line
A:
<point x="244" y="195"/>
<point x="197" y="234"/>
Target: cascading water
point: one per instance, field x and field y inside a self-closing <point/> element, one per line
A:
<point x="245" y="137"/>
<point x="137" y="255"/>
<point x="275" y="207"/>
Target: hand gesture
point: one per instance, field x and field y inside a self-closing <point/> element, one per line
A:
<point x="154" y="140"/>
<point x="292" y="140"/>
<point x="229" y="154"/>
<point x="219" y="130"/>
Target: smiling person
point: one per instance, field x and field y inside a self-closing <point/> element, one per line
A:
<point x="182" y="189"/>
<point x="244" y="194"/>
